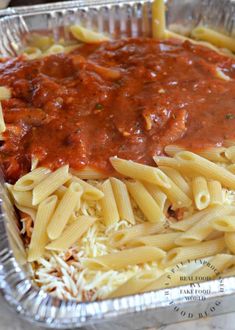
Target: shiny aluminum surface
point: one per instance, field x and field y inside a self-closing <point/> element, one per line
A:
<point x="125" y="18"/>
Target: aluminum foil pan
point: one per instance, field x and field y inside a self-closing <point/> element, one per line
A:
<point x="119" y="18"/>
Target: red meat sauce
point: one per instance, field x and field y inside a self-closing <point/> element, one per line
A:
<point x="128" y="98"/>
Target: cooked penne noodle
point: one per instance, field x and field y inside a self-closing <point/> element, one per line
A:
<point x="89" y="192"/>
<point x="229" y="239"/>
<point x="30" y="211"/>
<point x="108" y="203"/>
<point x="200" y="230"/>
<point x="64" y="210"/>
<point x="89" y="173"/>
<point x="214" y="267"/>
<point x="50" y="184"/>
<point x="34" y="162"/>
<point x="2" y="122"/>
<point x="135" y="284"/>
<point x="230" y="153"/>
<point x="39" y="237"/>
<point x="188" y="222"/>
<point x="216" y="193"/>
<point x="164" y="241"/>
<point x="231" y="168"/>
<point x="60" y="191"/>
<point x="31" y="53"/>
<point x="125" y="258"/>
<point x="71" y="234"/>
<point x="201" y="250"/>
<point x="166" y="161"/>
<point x="145" y="201"/>
<point x="200" y="192"/>
<point x="122" y="200"/>
<point x="141" y="172"/>
<point x="157" y="194"/>
<point x="224" y="223"/>
<point x="23" y="198"/>
<point x="178" y="179"/>
<point x="86" y="35"/>
<point x="158" y="19"/>
<point x="5" y="93"/>
<point x="214" y="37"/>
<point x="167" y="280"/>
<point x="172" y="150"/>
<point x="216" y="154"/>
<point x="31" y="179"/>
<point x="229" y="272"/>
<point x="205" y="167"/>
<point x="121" y="237"/>
<point x="55" y="49"/>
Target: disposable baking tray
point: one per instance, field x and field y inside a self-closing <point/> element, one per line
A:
<point x="141" y="311"/>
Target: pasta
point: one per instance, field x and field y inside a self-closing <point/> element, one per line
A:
<point x="200" y="192"/>
<point x="2" y="123"/>
<point x="5" y="93"/>
<point x="216" y="193"/>
<point x="110" y="210"/>
<point x="158" y="23"/>
<point x="86" y="35"/>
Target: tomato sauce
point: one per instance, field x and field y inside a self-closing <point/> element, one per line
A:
<point x="128" y="98"/>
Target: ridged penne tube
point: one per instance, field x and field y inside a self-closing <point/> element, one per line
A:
<point x="203" y="228"/>
<point x="135" y="284"/>
<point x="172" y="149"/>
<point x="54" y="49"/>
<point x="224" y="223"/>
<point x="32" y="53"/>
<point x="200" y="192"/>
<point x="206" y="168"/>
<point x="5" y="93"/>
<point x="230" y="153"/>
<point x="231" y="168"/>
<point x="145" y="201"/>
<point x="60" y="191"/>
<point x="34" y="162"/>
<point x="2" y="122"/>
<point x="141" y="172"/>
<point x="123" y="236"/>
<point x="28" y="210"/>
<point x="216" y="193"/>
<point x="214" y="267"/>
<point x="71" y="234"/>
<point x="177" y="197"/>
<point x="89" y="173"/>
<point x="86" y="35"/>
<point x="163" y="241"/>
<point x="178" y="179"/>
<point x="166" y="161"/>
<point x="122" y="200"/>
<point x="51" y="183"/>
<point x="31" y="179"/>
<point x="214" y="37"/>
<point x="126" y="258"/>
<point x="89" y="192"/>
<point x="158" y="19"/>
<point x="201" y="250"/>
<point x="229" y="239"/>
<point x="108" y="203"/>
<point x="216" y="154"/>
<point x="188" y="222"/>
<point x="64" y="210"/>
<point x="157" y="194"/>
<point x="39" y="237"/>
<point x="167" y="280"/>
<point x="23" y="198"/>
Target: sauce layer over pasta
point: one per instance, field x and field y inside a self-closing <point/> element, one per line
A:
<point x="128" y="98"/>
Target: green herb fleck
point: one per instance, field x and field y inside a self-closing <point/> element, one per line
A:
<point x="99" y="106"/>
<point x="229" y="116"/>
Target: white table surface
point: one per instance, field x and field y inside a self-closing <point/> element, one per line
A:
<point x="10" y="321"/>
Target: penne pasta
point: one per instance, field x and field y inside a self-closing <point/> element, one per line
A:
<point x="201" y="250"/>
<point x="23" y="198"/>
<point x="30" y="211"/>
<point x="230" y="153"/>
<point x="224" y="223"/>
<point x="88" y="173"/>
<point x="166" y="161"/>
<point x="125" y="258"/>
<point x="178" y="179"/>
<point x="158" y="19"/>
<point x="2" y="122"/>
<point x="30" y="180"/>
<point x="172" y="150"/>
<point x="85" y="35"/>
<point x="229" y="239"/>
<point x="214" y="37"/>
<point x="50" y="184"/>
<point x="216" y="193"/>
<point x="135" y="284"/>
<point x="121" y="237"/>
<point x="200" y="193"/>
<point x="109" y="206"/>
<point x="188" y="222"/>
<point x="39" y="237"/>
<point x="89" y="192"/>
<point x="216" y="154"/>
<point x="138" y="171"/>
<point x="145" y="201"/>
<point x="207" y="168"/>
<point x="200" y="230"/>
<point x="164" y="241"/>
<point x="167" y="280"/>
<point x="122" y="200"/>
<point x="31" y="53"/>
<point x="64" y="210"/>
<point x="157" y="194"/>
<point x="71" y="234"/>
